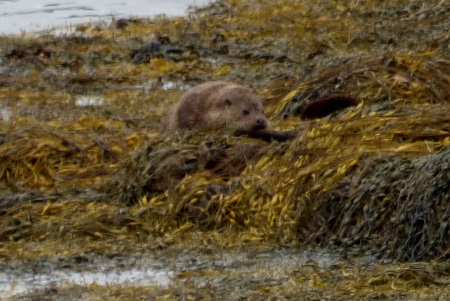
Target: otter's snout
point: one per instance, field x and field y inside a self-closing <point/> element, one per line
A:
<point x="261" y="123"/>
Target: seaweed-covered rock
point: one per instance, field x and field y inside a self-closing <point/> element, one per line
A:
<point x="155" y="169"/>
<point x="395" y="206"/>
<point x="161" y="47"/>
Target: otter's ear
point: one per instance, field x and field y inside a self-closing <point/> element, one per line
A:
<point x="253" y="89"/>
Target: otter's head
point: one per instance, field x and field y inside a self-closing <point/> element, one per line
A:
<point x="242" y="109"/>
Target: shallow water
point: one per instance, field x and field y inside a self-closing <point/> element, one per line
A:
<point x="152" y="271"/>
<point x="29" y="15"/>
<point x="17" y="283"/>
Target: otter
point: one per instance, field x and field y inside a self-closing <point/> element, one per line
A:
<point x="217" y="105"/>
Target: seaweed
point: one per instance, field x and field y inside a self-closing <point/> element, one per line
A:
<point x="85" y="167"/>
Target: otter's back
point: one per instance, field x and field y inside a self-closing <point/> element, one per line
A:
<point x="196" y="103"/>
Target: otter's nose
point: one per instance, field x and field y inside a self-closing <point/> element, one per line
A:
<point x="261" y="123"/>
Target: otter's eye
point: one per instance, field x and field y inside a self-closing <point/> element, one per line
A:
<point x="245" y="112"/>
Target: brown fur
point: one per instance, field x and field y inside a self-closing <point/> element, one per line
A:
<point x="217" y="105"/>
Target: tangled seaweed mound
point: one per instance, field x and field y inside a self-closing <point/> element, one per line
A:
<point x="396" y="205"/>
<point x="395" y="79"/>
<point x="161" y="165"/>
<point x="329" y="187"/>
<point x="373" y="176"/>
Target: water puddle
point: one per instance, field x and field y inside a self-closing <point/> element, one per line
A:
<point x="17" y="283"/>
<point x="151" y="270"/>
<point x="6" y="113"/>
<point x="89" y="101"/>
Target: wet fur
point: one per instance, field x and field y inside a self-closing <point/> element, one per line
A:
<point x="216" y="105"/>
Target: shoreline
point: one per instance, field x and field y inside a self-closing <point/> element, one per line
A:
<point x="64" y="17"/>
